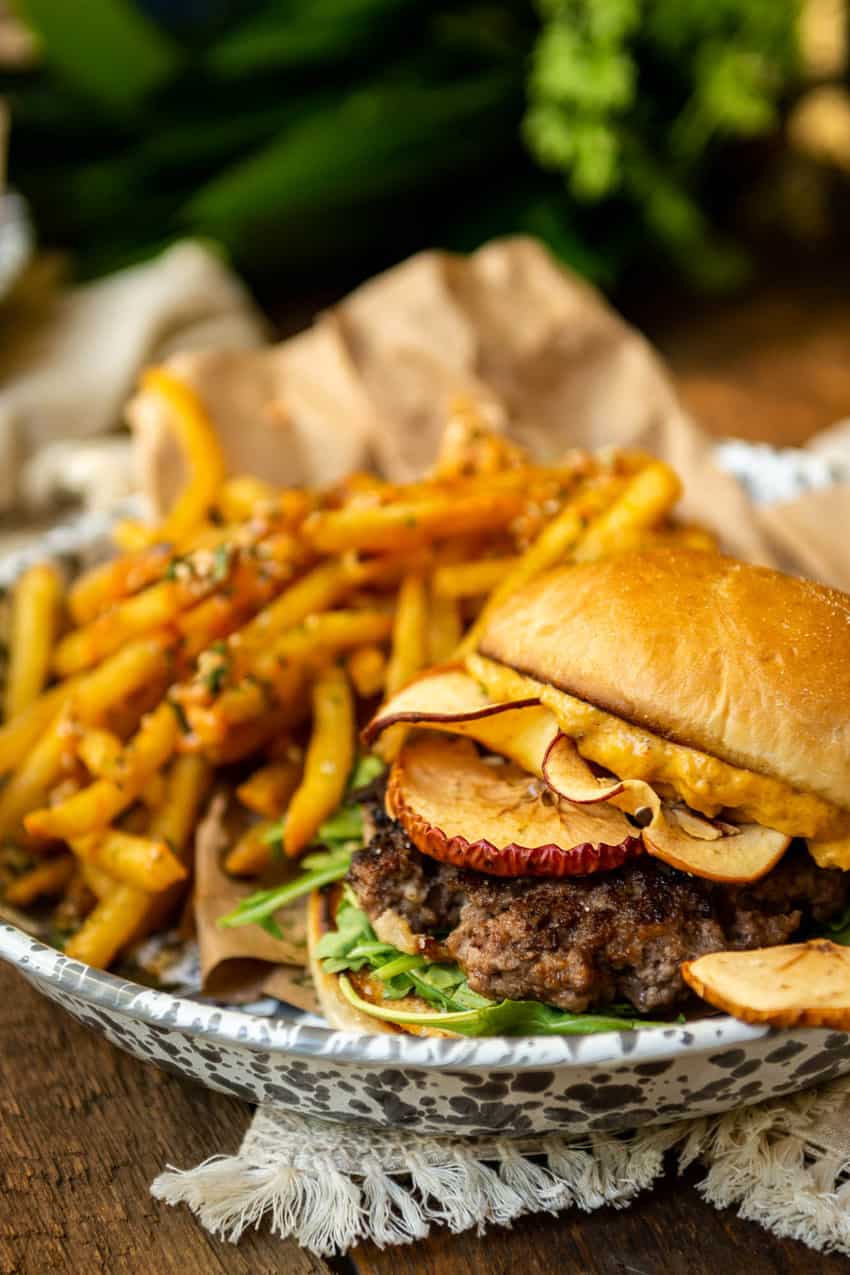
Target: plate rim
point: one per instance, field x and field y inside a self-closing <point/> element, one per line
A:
<point x="233" y="1026"/>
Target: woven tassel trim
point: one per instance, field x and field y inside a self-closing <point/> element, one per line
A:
<point x="328" y="1211"/>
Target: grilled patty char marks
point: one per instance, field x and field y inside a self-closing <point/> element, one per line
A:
<point x="585" y="941"/>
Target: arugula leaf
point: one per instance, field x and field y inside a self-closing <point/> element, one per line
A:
<point x="839" y="929"/>
<point x="258" y="908"/>
<point x="346" y="824"/>
<point x="505" y="1018"/>
<point x="366" y="768"/>
<point x="342" y="834"/>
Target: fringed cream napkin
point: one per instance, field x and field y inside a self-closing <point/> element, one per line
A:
<point x="784" y="1164"/>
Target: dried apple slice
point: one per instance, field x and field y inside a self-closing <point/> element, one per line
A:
<point x="568" y="774"/>
<point x="685" y="840"/>
<point x="746" y="855"/>
<point x="451" y="701"/>
<point x="442" y="696"/>
<point x="458" y="807"/>
<point x="804" y="984"/>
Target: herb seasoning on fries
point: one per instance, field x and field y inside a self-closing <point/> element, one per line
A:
<point x="242" y="641"/>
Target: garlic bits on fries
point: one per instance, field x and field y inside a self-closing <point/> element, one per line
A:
<point x="242" y="642"/>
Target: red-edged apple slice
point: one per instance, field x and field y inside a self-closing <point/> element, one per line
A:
<point x="746" y="855"/>
<point x="458" y="807"/>
<point x="451" y="701"/>
<point x="804" y="984"/>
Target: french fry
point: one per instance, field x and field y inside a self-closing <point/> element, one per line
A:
<point x="471" y="443"/>
<point x="95" y="806"/>
<point x="648" y="496"/>
<point x="320" y="589"/>
<point x="245" y="740"/>
<point x="445" y="628"/>
<point x="147" y="863"/>
<point x="131" y="913"/>
<point x="326" y="634"/>
<point x="124" y="717"/>
<point x="242" y="496"/>
<point x="244" y="702"/>
<point x="187" y="784"/>
<point x="471" y="579"/>
<point x="411" y="523"/>
<point x="108" y="927"/>
<point x="329" y="759"/>
<point x="252" y="853"/>
<point x="255" y="581"/>
<point x="99" y="882"/>
<point x="45" y="880"/>
<point x="555" y="542"/>
<point x="277" y="673"/>
<point x="36" y="776"/>
<point x="409" y="651"/>
<point x="101" y="752"/>
<point x="19" y="736"/>
<point x="145" y="612"/>
<point x="36" y="603"/>
<point x="153" y="793"/>
<point x="268" y="790"/>
<point x="367" y="668"/>
<point x="136" y="666"/>
<point x="204" y="458"/>
<point x="101" y="587"/>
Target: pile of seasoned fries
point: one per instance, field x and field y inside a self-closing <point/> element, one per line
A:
<point x="242" y="640"/>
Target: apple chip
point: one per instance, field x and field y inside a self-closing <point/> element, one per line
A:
<point x="442" y="696"/>
<point x="451" y="701"/>
<point x="567" y="773"/>
<point x="458" y="807"/>
<point x="745" y="855"/>
<point x="831" y="854"/>
<point x="805" y="984"/>
<point x="687" y="841"/>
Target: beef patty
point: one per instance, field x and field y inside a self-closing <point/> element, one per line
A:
<point x="584" y="941"/>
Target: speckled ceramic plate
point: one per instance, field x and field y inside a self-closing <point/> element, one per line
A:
<point x="520" y="1086"/>
<point x="611" y="1081"/>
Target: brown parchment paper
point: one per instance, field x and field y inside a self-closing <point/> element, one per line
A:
<point x="368" y="386"/>
<point x="245" y="963"/>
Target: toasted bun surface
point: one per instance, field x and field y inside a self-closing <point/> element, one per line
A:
<point x="335" y="1008"/>
<point x="735" y="660"/>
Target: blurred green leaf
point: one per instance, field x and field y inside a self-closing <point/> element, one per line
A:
<point x="385" y="139"/>
<point x="313" y="32"/>
<point x="107" y="49"/>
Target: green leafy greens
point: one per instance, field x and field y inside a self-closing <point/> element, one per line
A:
<point x="838" y="930"/>
<point x="340" y="835"/>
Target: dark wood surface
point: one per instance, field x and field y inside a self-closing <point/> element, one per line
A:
<point x="85" y="1129"/>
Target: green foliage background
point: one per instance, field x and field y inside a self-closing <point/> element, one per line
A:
<point x="336" y="135"/>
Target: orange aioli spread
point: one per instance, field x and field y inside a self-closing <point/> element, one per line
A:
<point x="705" y="783"/>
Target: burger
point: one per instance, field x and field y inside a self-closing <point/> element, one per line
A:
<point x="646" y="760"/>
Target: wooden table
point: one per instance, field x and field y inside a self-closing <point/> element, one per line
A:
<point x="86" y="1128"/>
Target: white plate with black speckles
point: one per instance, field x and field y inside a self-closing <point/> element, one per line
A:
<point x="610" y="1081"/>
